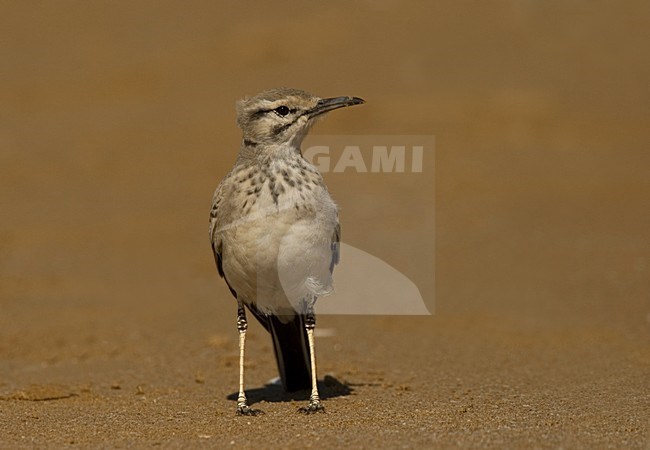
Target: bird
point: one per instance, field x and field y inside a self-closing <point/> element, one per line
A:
<point x="275" y="232"/>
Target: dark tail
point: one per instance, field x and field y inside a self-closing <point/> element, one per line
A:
<point x="290" y="346"/>
<point x="291" y="351"/>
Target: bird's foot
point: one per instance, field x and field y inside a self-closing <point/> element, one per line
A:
<point x="314" y="407"/>
<point x="245" y="410"/>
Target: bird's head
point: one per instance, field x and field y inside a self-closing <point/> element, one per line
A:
<point x="283" y="116"/>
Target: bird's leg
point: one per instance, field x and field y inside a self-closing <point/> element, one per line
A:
<point x="242" y="326"/>
<point x="315" y="404"/>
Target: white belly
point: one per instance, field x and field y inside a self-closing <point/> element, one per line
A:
<point x="276" y="256"/>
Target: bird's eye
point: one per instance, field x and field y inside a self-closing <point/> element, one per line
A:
<point x="281" y="111"/>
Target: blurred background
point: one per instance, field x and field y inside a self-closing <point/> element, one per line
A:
<point x="117" y="122"/>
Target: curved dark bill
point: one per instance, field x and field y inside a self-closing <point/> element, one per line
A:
<point x="328" y="104"/>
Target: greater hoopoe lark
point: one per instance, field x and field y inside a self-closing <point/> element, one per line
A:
<point x="275" y="232"/>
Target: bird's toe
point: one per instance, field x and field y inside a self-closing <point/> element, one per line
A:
<point x="245" y="410"/>
<point x="313" y="408"/>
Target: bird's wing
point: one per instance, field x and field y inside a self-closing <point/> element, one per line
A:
<point x="336" y="246"/>
<point x="216" y="219"/>
<point x="215" y="238"/>
<point x="216" y="222"/>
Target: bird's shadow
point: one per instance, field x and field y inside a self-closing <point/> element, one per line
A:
<point x="328" y="387"/>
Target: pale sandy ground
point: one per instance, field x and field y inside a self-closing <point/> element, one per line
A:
<point x="117" y="121"/>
